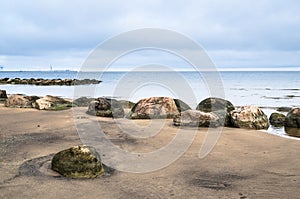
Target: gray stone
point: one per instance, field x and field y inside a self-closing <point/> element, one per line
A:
<point x="106" y="107"/>
<point x="83" y="101"/>
<point x="78" y="162"/>
<point x="196" y="118"/>
<point x="219" y="106"/>
<point x="250" y="117"/>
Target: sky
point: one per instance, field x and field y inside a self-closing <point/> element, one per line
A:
<point x="256" y="34"/>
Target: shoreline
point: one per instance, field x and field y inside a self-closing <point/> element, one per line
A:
<point x="243" y="163"/>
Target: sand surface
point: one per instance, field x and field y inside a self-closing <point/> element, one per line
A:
<point x="243" y="163"/>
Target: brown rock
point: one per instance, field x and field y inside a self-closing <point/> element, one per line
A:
<point x="21" y="101"/>
<point x="250" y="117"/>
<point x="155" y="108"/>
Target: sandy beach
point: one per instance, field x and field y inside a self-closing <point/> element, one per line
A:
<point x="243" y="164"/>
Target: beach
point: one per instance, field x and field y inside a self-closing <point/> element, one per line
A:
<point x="243" y="163"/>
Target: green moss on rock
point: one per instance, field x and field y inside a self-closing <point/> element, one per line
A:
<point x="78" y="162"/>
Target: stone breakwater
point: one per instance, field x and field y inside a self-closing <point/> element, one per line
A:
<point x="48" y="82"/>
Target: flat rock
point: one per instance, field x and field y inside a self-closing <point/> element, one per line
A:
<point x="78" y="162"/>
<point x="196" y="118"/>
<point x="250" y="117"/>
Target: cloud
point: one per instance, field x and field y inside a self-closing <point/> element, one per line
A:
<point x="241" y="31"/>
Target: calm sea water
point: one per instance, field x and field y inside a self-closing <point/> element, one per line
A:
<point x="264" y="89"/>
<point x="267" y="89"/>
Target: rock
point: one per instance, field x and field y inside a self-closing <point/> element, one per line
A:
<point x="127" y="104"/>
<point x="78" y="162"/>
<point x="293" y="118"/>
<point x="215" y="104"/>
<point x="156" y="108"/>
<point x="106" y="107"/>
<point x="21" y="101"/>
<point x="83" y="101"/>
<point x="219" y="106"/>
<point x="250" y="117"/>
<point x="52" y="103"/>
<point x="3" y="94"/>
<point x="196" y="118"/>
<point x="295" y="132"/>
<point x="277" y="119"/>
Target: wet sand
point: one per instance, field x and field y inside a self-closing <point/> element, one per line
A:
<point x="243" y="164"/>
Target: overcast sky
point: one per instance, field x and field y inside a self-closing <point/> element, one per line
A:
<point x="236" y="34"/>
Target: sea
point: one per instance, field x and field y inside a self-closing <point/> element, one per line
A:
<point x="266" y="89"/>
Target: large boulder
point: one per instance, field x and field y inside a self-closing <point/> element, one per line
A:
<point x="106" y="107"/>
<point x="220" y="107"/>
<point x="52" y="103"/>
<point x="78" y="162"/>
<point x="21" y="101"/>
<point x="277" y="119"/>
<point x="293" y="118"/>
<point x="196" y="118"/>
<point x="250" y="117"/>
<point x="156" y="108"/>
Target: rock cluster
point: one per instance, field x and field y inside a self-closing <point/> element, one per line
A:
<point x="48" y="82"/>
<point x="46" y="103"/>
<point x="78" y="162"/>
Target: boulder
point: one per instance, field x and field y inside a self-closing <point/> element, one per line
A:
<point x="21" y="101"/>
<point x="127" y="104"/>
<point x="83" y="101"/>
<point x="106" y="107"/>
<point x="52" y="103"/>
<point x="156" y="108"/>
<point x="215" y="104"/>
<point x="196" y="118"/>
<point x="293" y="118"/>
<point x="220" y="107"/>
<point x="78" y="162"/>
<point x="3" y="94"/>
<point x="277" y="119"/>
<point x="250" y="117"/>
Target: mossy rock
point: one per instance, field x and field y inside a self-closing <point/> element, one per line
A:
<point x="78" y="162"/>
<point x="277" y="119"/>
